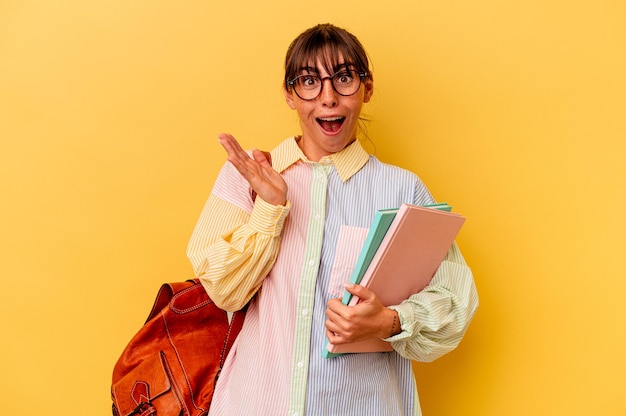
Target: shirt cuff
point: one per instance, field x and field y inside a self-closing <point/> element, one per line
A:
<point x="267" y="218"/>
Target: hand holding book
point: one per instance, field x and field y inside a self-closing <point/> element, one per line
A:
<point x="369" y="319"/>
<point x="402" y="251"/>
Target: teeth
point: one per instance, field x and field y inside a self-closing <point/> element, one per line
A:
<point x="331" y="119"/>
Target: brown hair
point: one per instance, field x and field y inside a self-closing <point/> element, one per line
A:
<point x="324" y="43"/>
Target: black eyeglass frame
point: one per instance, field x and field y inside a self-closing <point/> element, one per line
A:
<point x="292" y="83"/>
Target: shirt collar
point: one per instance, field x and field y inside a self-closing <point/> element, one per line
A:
<point x="347" y="161"/>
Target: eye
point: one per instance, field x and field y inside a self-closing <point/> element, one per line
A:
<point x="344" y="77"/>
<point x="309" y="81"/>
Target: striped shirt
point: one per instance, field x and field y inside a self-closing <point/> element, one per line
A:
<point x="288" y="261"/>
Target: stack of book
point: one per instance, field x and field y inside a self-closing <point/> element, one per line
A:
<point x="402" y="251"/>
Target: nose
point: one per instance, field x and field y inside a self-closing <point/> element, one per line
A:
<point x="328" y="95"/>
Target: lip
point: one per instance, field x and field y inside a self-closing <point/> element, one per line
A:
<point x="331" y="118"/>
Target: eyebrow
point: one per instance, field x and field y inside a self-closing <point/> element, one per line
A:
<point x="314" y="70"/>
<point x="308" y="69"/>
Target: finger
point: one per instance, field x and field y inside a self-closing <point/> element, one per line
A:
<point x="268" y="156"/>
<point x="340" y="314"/>
<point x="227" y="138"/>
<point x="331" y="326"/>
<point x="334" y="338"/>
<point x="232" y="147"/>
<point x="359" y="291"/>
<point x="334" y="334"/>
<point x="246" y="166"/>
<point x="263" y="158"/>
<point x="341" y="321"/>
<point x="227" y="141"/>
<point x="242" y="161"/>
<point x="335" y="304"/>
<point x="240" y="158"/>
<point x="333" y="315"/>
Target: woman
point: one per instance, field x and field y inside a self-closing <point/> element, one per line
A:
<point x="273" y="235"/>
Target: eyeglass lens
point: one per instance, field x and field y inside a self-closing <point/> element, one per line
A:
<point x="309" y="86"/>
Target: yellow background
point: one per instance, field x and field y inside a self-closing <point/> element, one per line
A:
<point x="512" y="111"/>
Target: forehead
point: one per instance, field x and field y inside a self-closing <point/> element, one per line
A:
<point x="324" y="61"/>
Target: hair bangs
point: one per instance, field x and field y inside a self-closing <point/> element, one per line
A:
<point x="325" y="45"/>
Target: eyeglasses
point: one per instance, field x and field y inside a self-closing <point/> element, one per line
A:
<point x="309" y="86"/>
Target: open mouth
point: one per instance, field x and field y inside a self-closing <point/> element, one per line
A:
<point x="331" y="124"/>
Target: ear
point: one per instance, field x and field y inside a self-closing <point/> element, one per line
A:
<point x="368" y="87"/>
<point x="289" y="98"/>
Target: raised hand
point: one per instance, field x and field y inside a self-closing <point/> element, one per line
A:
<point x="257" y="170"/>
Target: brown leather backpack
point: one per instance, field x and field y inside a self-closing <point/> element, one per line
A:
<point x="171" y="365"/>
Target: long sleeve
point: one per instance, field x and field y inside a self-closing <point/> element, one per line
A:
<point x="435" y="319"/>
<point x="231" y="250"/>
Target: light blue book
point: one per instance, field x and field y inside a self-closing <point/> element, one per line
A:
<point x="380" y="224"/>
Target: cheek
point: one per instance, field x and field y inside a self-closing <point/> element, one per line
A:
<point x="305" y="112"/>
<point x="356" y="109"/>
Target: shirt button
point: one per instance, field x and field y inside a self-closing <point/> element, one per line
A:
<point x="300" y="364"/>
<point x="305" y="312"/>
<point x="311" y="263"/>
